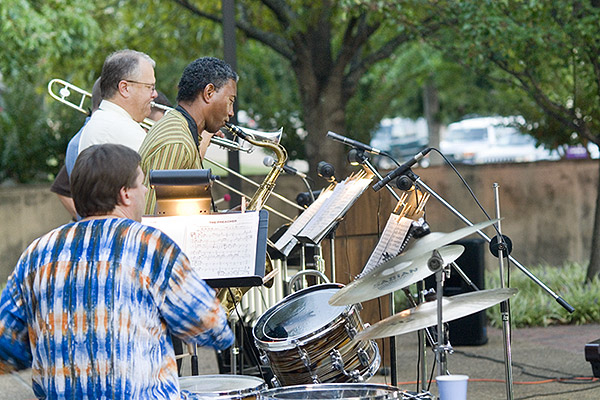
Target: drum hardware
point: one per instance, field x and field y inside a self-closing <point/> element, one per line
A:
<point x="299" y="335"/>
<point x="337" y="363"/>
<point x="303" y="273"/>
<point x="350" y="330"/>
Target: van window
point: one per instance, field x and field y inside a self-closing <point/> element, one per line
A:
<point x="467" y="135"/>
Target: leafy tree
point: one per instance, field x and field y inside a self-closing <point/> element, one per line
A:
<point x="37" y="39"/>
<point x="548" y="50"/>
<point x="328" y="49"/>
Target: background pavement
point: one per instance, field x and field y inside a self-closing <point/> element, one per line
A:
<point x="547" y="363"/>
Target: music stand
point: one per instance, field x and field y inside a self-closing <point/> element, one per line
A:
<point x="182" y="191"/>
<point x="183" y="211"/>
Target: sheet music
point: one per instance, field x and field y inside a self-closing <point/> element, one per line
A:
<point x="343" y="196"/>
<point x="218" y="245"/>
<point x="287" y="241"/>
<point x="390" y="242"/>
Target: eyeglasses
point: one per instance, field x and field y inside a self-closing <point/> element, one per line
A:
<point x="150" y="86"/>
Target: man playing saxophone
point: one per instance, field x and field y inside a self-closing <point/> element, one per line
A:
<point x="207" y="92"/>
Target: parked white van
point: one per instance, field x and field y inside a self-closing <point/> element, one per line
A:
<point x="491" y="140"/>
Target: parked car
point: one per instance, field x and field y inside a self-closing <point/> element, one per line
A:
<point x="491" y="140"/>
<point x="402" y="138"/>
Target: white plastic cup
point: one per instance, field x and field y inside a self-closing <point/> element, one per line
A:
<point x="452" y="387"/>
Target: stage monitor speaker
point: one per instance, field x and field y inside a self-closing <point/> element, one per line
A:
<point x="470" y="330"/>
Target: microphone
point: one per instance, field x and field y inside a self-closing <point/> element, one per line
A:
<point x="353" y="143"/>
<point x="401" y="169"/>
<point x="304" y="199"/>
<point x="269" y="161"/>
<point x="326" y="170"/>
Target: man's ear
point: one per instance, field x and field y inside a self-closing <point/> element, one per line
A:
<point x="123" y="88"/>
<point x="208" y="92"/>
<point x="124" y="198"/>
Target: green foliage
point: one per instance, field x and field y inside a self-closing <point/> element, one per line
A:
<point x="32" y="146"/>
<point x="532" y="306"/>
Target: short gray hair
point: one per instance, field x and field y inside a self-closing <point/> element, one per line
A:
<point x="118" y="66"/>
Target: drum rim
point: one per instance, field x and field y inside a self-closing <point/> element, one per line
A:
<point x="261" y="385"/>
<point x="259" y="326"/>
<point x="395" y="391"/>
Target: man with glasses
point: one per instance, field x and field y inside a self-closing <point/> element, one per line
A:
<point x="128" y="87"/>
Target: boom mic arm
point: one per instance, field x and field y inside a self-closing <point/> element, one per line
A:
<point x="401" y="169"/>
<point x="354" y="143"/>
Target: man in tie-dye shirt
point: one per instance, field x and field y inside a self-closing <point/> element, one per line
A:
<point x="90" y="304"/>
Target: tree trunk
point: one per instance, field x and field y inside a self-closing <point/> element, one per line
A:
<point x="324" y="110"/>
<point x="593" y="269"/>
<point x="431" y="109"/>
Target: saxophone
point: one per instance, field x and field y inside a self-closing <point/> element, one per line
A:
<point x="230" y="297"/>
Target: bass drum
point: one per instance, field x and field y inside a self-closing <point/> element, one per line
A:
<point x="346" y="391"/>
<point x="306" y="341"/>
<point x="224" y="387"/>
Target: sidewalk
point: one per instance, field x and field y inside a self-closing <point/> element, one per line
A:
<point x="538" y="356"/>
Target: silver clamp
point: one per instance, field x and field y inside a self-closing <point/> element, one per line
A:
<point x="337" y="363"/>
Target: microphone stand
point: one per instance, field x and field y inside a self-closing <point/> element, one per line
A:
<point x="417" y="180"/>
<point x="361" y="158"/>
<point x="505" y="305"/>
<point x="424" y="334"/>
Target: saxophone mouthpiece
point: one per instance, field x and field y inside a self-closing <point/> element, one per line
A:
<point x="236" y="130"/>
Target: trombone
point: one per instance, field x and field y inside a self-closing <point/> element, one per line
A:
<point x="61" y="90"/>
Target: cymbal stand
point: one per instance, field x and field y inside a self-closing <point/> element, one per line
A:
<point x="442" y="348"/>
<point x="505" y="305"/>
<point x="235" y="350"/>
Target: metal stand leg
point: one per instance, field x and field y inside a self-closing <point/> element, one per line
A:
<point x="504" y="306"/>
<point x="235" y="350"/>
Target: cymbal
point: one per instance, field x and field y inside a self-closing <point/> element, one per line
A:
<point x="394" y="274"/>
<point x="425" y="314"/>
<point x="435" y="240"/>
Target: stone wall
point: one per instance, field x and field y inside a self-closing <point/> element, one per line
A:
<point x="547" y="209"/>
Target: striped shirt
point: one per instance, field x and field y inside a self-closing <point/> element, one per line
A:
<point x="168" y="145"/>
<point x="88" y="307"/>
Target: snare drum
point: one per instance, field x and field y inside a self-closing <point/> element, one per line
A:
<point x="346" y="391"/>
<point x="225" y="387"/>
<point x="306" y="341"/>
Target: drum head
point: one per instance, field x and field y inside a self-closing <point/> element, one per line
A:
<point x="299" y="314"/>
<point x="347" y="391"/>
<point x="220" y="385"/>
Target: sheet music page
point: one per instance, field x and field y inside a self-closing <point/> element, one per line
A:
<point x="390" y="242"/>
<point x="218" y="245"/>
<point x="287" y="241"/>
<point x="171" y="226"/>
<point x="343" y="196"/>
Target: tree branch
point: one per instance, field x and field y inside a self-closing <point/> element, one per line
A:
<point x="274" y="41"/>
<point x="281" y="10"/>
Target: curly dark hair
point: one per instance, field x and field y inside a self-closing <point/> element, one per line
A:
<point x="98" y="176"/>
<point x="200" y="73"/>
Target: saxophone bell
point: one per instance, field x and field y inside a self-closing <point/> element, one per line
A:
<point x="250" y="135"/>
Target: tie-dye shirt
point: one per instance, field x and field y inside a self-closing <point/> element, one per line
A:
<point x="88" y="307"/>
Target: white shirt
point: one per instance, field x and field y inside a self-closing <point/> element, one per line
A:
<point x="112" y="124"/>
